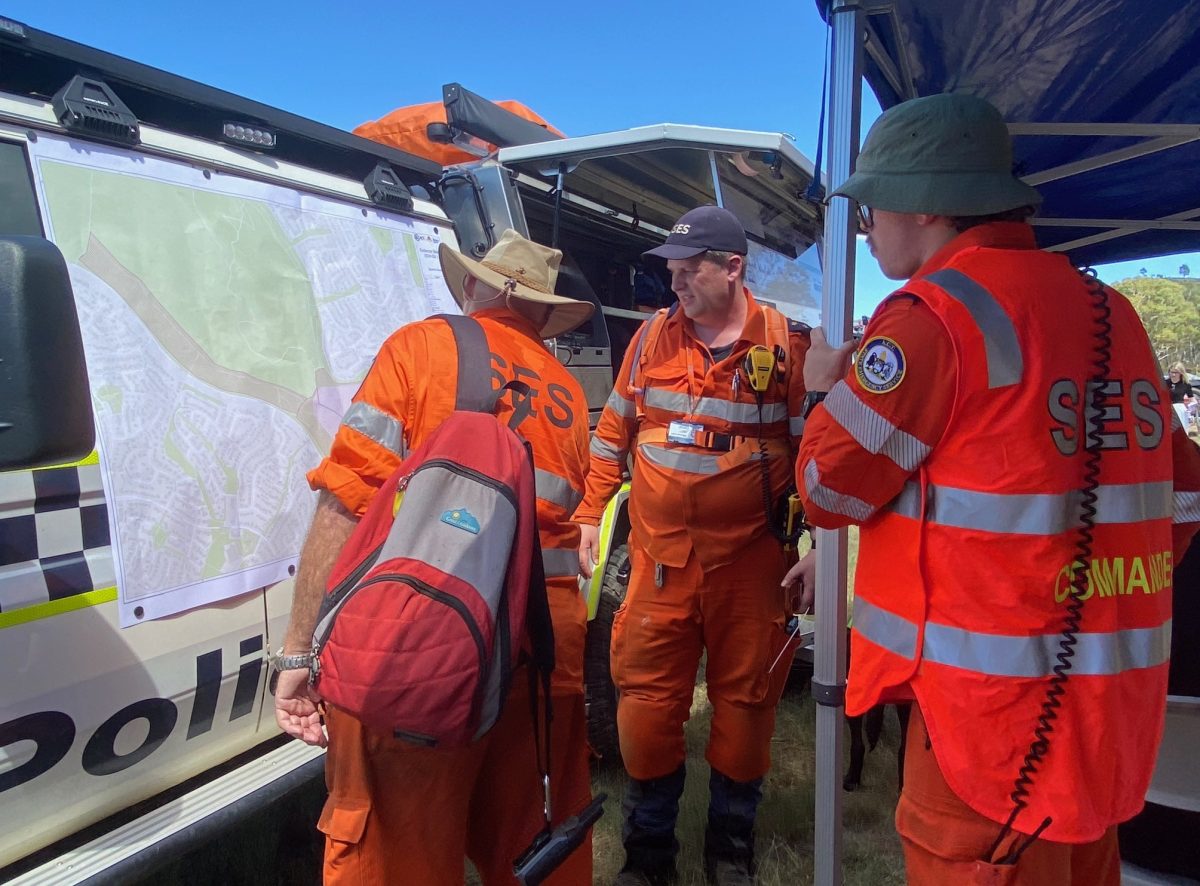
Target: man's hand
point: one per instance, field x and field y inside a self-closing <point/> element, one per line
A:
<point x="825" y="365"/>
<point x="296" y="708"/>
<point x="589" y="548"/>
<point x="801" y="580"/>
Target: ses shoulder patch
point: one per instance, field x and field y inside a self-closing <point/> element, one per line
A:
<point x="880" y="365"/>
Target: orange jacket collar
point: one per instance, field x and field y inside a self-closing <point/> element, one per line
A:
<point x="994" y="235"/>
<point x="513" y="321"/>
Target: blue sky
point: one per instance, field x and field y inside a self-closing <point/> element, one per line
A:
<point x="584" y="67"/>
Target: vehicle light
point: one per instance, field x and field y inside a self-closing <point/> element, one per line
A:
<point x="90" y="106"/>
<point x="10" y="28"/>
<point x="384" y="188"/>
<point x="248" y="134"/>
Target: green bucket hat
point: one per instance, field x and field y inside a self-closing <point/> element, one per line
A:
<point x="940" y="154"/>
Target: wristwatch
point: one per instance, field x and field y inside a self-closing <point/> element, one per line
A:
<point x="811" y="399"/>
<point x="298" y="661"/>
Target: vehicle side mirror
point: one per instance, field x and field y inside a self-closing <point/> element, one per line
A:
<point x="45" y="405"/>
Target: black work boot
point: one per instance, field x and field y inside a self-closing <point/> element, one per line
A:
<point x="651" y="807"/>
<point x="729" y="837"/>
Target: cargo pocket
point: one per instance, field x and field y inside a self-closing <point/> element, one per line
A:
<point x="981" y="873"/>
<point x="343" y="825"/>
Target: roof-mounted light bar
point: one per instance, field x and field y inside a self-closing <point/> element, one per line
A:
<point x="249" y="134"/>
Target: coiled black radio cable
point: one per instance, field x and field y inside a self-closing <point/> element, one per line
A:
<point x="1093" y="418"/>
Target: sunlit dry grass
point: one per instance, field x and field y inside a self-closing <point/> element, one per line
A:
<point x="871" y="853"/>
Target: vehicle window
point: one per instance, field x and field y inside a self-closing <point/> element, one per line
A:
<point x="18" y="207"/>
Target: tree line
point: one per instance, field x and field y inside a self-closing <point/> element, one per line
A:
<point x="1170" y="310"/>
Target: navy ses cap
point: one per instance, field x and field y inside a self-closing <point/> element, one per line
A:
<point x="700" y="230"/>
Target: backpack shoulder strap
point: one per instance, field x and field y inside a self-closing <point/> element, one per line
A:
<point x="474" y="390"/>
<point x="647" y="340"/>
<point x="777" y="328"/>
<point x="780" y="328"/>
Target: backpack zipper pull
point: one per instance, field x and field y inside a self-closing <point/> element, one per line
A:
<point x="401" y="487"/>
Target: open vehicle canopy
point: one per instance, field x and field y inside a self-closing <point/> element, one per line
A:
<point x="1103" y="100"/>
<point x="654" y="174"/>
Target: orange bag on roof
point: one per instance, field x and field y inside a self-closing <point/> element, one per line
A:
<point x="404" y="128"/>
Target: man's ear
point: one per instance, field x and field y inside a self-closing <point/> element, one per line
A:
<point x="925" y="220"/>
<point x="737" y="266"/>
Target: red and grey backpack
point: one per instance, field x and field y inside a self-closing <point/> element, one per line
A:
<point x="440" y="588"/>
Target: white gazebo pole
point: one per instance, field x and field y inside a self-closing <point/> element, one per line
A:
<point x="829" y="673"/>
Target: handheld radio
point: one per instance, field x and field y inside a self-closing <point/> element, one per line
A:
<point x="760" y="366"/>
<point x="551" y="848"/>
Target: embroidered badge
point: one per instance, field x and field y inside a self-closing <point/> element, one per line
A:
<point x="461" y="518"/>
<point x="880" y="365"/>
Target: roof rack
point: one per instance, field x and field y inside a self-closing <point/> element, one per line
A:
<point x="36" y="64"/>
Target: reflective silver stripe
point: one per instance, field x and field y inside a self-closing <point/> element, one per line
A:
<point x="604" y="450"/>
<point x="1005" y="655"/>
<point x="688" y="462"/>
<point x="711" y="407"/>
<point x="908" y="502"/>
<point x="556" y="490"/>
<point x="1032" y="513"/>
<point x="894" y="633"/>
<point x="1002" y="655"/>
<point x="795" y="425"/>
<point x="873" y="432"/>
<point x="830" y="500"/>
<point x="620" y="405"/>
<point x="1004" y="361"/>
<point x="1187" y="507"/>
<point x="558" y="562"/>
<point x="377" y="425"/>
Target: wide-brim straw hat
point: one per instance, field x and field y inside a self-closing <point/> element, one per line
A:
<point x="947" y="154"/>
<point x="527" y="273"/>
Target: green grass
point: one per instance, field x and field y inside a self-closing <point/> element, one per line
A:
<point x="871" y="849"/>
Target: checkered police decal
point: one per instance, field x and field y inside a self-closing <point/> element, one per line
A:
<point x="880" y="365"/>
<point x="54" y="540"/>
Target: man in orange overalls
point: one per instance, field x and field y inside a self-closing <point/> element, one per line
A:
<point x="706" y="565"/>
<point x="398" y="812"/>
<point x="1004" y="439"/>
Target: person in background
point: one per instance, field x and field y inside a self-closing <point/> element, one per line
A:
<point x="958" y="439"/>
<point x="1178" y="384"/>
<point x="1182" y="396"/>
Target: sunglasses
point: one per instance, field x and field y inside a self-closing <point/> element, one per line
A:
<point x="865" y="221"/>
